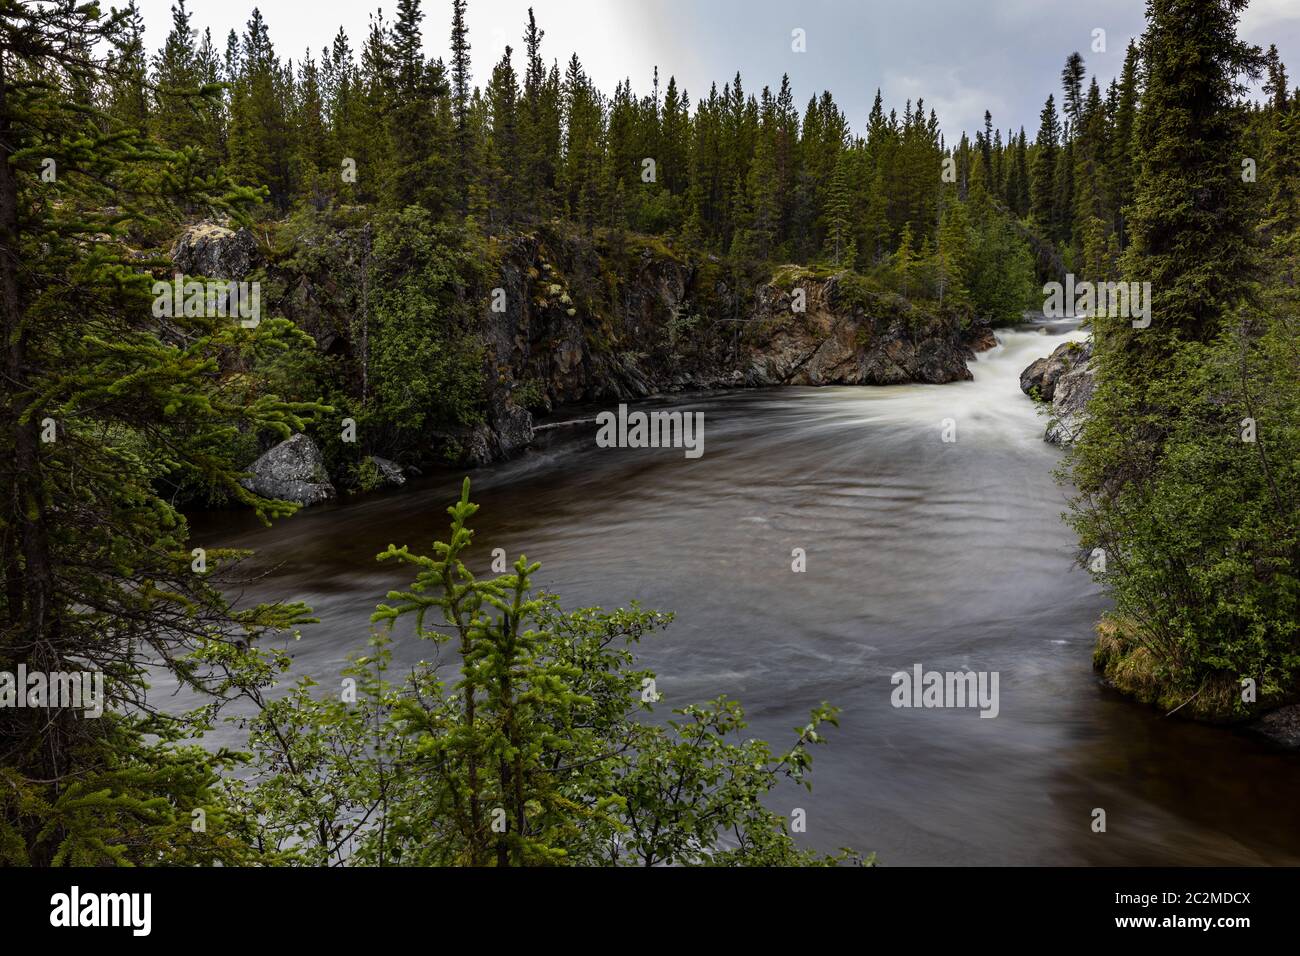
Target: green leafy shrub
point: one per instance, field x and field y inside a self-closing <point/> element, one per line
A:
<point x="532" y="748"/>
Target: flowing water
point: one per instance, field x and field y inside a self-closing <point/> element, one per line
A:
<point x="951" y="555"/>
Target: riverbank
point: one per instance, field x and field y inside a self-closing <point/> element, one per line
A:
<point x="1061" y="384"/>
<point x="947" y="554"/>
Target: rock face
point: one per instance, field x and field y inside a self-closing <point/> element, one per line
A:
<point x="569" y="338"/>
<point x="847" y="335"/>
<point x="1069" y="404"/>
<point x="576" y="333"/>
<point x="215" y="252"/>
<point x="1065" y="380"/>
<point x="605" y="319"/>
<point x="1282" y="726"/>
<point x="293" y="470"/>
<point x="1039" y="380"/>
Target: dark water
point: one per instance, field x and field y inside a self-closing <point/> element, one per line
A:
<point x="950" y="555"/>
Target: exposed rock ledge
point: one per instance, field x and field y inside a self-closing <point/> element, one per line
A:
<point x="215" y="252"/>
<point x="1065" y="379"/>
<point x="587" y="320"/>
<point x="849" y="336"/>
<point x="673" y="323"/>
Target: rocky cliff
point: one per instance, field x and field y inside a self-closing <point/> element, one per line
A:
<point x="571" y="318"/>
<point x="583" y="323"/>
<point x="1065" y="381"/>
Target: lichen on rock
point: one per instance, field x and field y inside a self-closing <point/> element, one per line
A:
<point x="215" y="252"/>
<point x="293" y="470"/>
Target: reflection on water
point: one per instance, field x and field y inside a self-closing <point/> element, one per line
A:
<point x="951" y="555"/>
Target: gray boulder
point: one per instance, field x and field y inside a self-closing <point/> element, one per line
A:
<point x="390" y="472"/>
<point x="1066" y="382"/>
<point x="293" y="470"/>
<point x="1039" y="379"/>
<point x="1069" y="404"/>
<point x="1031" y="379"/>
<point x="215" y="252"/>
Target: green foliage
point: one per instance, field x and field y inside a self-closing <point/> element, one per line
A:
<point x="543" y="719"/>
<point x="977" y="261"/>
<point x="1001" y="278"/>
<point x="426" y="361"/>
<point x="96" y="555"/>
<point x="1187" y="467"/>
<point x="841" y="249"/>
<point x="953" y="261"/>
<point x="534" y="750"/>
<point x="1203" y="549"/>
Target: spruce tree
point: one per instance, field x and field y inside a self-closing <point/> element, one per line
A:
<point x="505" y="160"/>
<point x="1063" y="198"/>
<point x="760" y="218"/>
<point x="127" y="80"/>
<point x="261" y="147"/>
<point x="460" y="101"/>
<point x="176" y="80"/>
<point x="674" y="139"/>
<point x="1205" y="541"/>
<point x="1042" y="190"/>
<point x="313" y="179"/>
<point x="1190" y="236"/>
<point x="418" y="167"/>
<point x="841" y="248"/>
<point x="953" y="261"/>
<point x="108" y="409"/>
<point x="1122" y="160"/>
<point x="539" y="126"/>
<point x="1072" y="84"/>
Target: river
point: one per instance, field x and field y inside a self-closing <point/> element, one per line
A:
<point x="948" y="554"/>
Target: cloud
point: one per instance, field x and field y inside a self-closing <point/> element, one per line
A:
<point x="962" y="56"/>
<point x="1267" y="15"/>
<point x="959" y="103"/>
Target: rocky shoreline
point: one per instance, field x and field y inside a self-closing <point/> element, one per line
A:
<point x="582" y="324"/>
<point x="1064" y="381"/>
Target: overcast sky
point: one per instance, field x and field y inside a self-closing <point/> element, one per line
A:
<point x="962" y="56"/>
